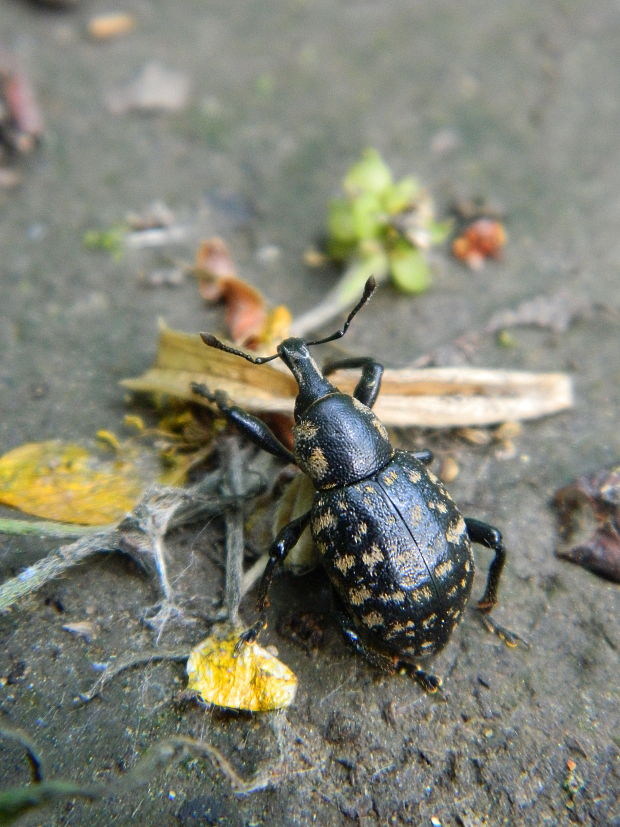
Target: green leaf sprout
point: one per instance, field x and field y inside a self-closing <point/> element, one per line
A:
<point x="379" y="227"/>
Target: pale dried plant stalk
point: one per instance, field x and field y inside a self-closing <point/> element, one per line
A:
<point x="421" y="397"/>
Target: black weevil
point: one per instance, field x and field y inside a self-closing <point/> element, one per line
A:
<point x="390" y="538"/>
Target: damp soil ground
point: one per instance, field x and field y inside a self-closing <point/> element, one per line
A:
<point x="517" y="102"/>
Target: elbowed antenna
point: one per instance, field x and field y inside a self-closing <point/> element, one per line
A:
<point x="369" y="289"/>
<point x="213" y="341"/>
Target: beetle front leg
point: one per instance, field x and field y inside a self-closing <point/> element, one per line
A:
<point x="251" y="426"/>
<point x="490" y="537"/>
<point x="285" y="540"/>
<point x="369" y="385"/>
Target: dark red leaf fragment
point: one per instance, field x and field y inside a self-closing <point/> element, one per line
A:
<point x="588" y="512"/>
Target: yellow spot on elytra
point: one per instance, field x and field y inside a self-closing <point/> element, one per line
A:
<point x="324" y="521"/>
<point x="392" y="597"/>
<point x="456" y="530"/>
<point x="395" y="630"/>
<point x="467" y="565"/>
<point x="428" y="644"/>
<point x="414" y="476"/>
<point x="443" y="568"/>
<point x="416" y="514"/>
<point x="390" y="477"/>
<point x="442" y="507"/>
<point x="344" y="563"/>
<point x="359" y="595"/>
<point x="421" y="594"/>
<point x="428" y="621"/>
<point x="372" y="619"/>
<point x="373" y="556"/>
<point x="362" y="528"/>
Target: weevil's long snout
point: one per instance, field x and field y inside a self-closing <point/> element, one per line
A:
<point x="312" y="384"/>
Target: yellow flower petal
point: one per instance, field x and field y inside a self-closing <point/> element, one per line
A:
<point x="255" y="680"/>
<point x="63" y="481"/>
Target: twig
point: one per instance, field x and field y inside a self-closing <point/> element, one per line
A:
<point x="234" y="533"/>
<point x="55" y="564"/>
<point x="134" y="535"/>
<point x="22" y="738"/>
<point x="17" y="801"/>
<point x="128" y="663"/>
<point x="253" y="574"/>
<point x="345" y="293"/>
<point x="46" y="528"/>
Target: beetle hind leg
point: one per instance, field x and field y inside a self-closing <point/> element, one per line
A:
<point x="490" y="537"/>
<point x="511" y="639"/>
<point x="431" y="684"/>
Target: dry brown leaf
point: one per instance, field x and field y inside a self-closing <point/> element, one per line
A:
<point x="213" y="262"/>
<point x="65" y="482"/>
<point x="426" y="397"/>
<point x="588" y="512"/>
<point x="247" y="318"/>
<point x="246" y="309"/>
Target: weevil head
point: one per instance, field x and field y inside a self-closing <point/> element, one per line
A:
<point x="338" y="440"/>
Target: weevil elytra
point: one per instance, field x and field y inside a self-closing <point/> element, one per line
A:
<point x="391" y="539"/>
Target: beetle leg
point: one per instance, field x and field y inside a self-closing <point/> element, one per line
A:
<point x="251" y="426"/>
<point x="284" y="542"/>
<point x="490" y="537"/>
<point x="369" y="385"/>
<point x="383" y="662"/>
<point x="429" y="683"/>
<point x="425" y="456"/>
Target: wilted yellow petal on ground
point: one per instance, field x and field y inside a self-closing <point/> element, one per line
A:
<point x="277" y="327"/>
<point x="255" y="680"/>
<point x="65" y="482"/>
